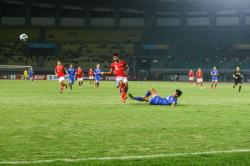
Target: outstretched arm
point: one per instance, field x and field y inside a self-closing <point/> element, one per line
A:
<point x="108" y="73"/>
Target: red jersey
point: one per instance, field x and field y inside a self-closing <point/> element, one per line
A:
<point x="119" y="68"/>
<point x="91" y="73"/>
<point x="199" y="74"/>
<point x="191" y="74"/>
<point x="60" y="71"/>
<point x="79" y="73"/>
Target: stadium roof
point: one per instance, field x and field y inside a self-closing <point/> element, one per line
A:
<point x="108" y="5"/>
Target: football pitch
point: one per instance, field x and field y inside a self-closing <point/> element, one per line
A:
<point x="90" y="126"/>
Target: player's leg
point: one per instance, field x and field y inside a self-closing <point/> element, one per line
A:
<point x="197" y="82"/>
<point x="95" y="83"/>
<point x="31" y="78"/>
<point x="98" y="83"/>
<point x="122" y="90"/>
<point x="71" y="86"/>
<point x="65" y="85"/>
<point x="240" y="85"/>
<point x="81" y="81"/>
<point x="212" y="85"/>
<point x="139" y="98"/>
<point x="125" y="84"/>
<point x="117" y="83"/>
<point x="61" y="87"/>
<point x="235" y="83"/>
<point x="216" y="83"/>
<point x="61" y="84"/>
<point x="153" y="92"/>
<point x="200" y="82"/>
<point x="62" y="81"/>
<point x="71" y="83"/>
<point x="190" y="80"/>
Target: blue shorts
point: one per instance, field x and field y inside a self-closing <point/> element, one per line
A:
<point x="71" y="79"/>
<point x="97" y="79"/>
<point x="214" y="79"/>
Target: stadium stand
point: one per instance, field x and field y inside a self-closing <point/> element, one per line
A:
<point x="88" y="47"/>
<point x="202" y="47"/>
<point x="12" y="50"/>
<point x="189" y="47"/>
<point x="71" y="45"/>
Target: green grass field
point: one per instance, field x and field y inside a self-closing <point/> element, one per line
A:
<point x="38" y="123"/>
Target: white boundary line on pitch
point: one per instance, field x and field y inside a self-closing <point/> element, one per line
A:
<point x="127" y="157"/>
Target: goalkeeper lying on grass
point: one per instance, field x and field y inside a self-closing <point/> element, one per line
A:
<point x="153" y="98"/>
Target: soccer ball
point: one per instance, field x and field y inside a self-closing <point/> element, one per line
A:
<point x="24" y="37"/>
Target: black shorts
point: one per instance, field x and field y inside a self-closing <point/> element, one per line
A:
<point x="237" y="81"/>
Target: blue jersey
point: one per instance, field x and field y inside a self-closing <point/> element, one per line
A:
<point x="31" y="72"/>
<point x="71" y="73"/>
<point x="157" y="100"/>
<point x="97" y="73"/>
<point x="214" y="75"/>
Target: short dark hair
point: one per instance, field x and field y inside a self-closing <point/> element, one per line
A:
<point x="179" y="92"/>
<point x="116" y="54"/>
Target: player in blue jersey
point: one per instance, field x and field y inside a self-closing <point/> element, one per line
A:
<point x="31" y="74"/>
<point x="214" y="75"/>
<point x="152" y="97"/>
<point x="71" y="73"/>
<point x="97" y="74"/>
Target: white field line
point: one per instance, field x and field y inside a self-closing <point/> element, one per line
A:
<point x="127" y="157"/>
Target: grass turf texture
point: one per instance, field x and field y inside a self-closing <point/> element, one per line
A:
<point x="36" y="123"/>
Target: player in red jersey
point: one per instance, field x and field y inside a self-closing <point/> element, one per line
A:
<point x="60" y="72"/>
<point x="79" y="76"/>
<point x="199" y="76"/>
<point x="120" y="69"/>
<point x="91" y="76"/>
<point x="191" y="76"/>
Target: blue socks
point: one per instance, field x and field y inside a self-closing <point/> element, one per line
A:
<point x="142" y="98"/>
<point x="139" y="98"/>
<point x="148" y="94"/>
